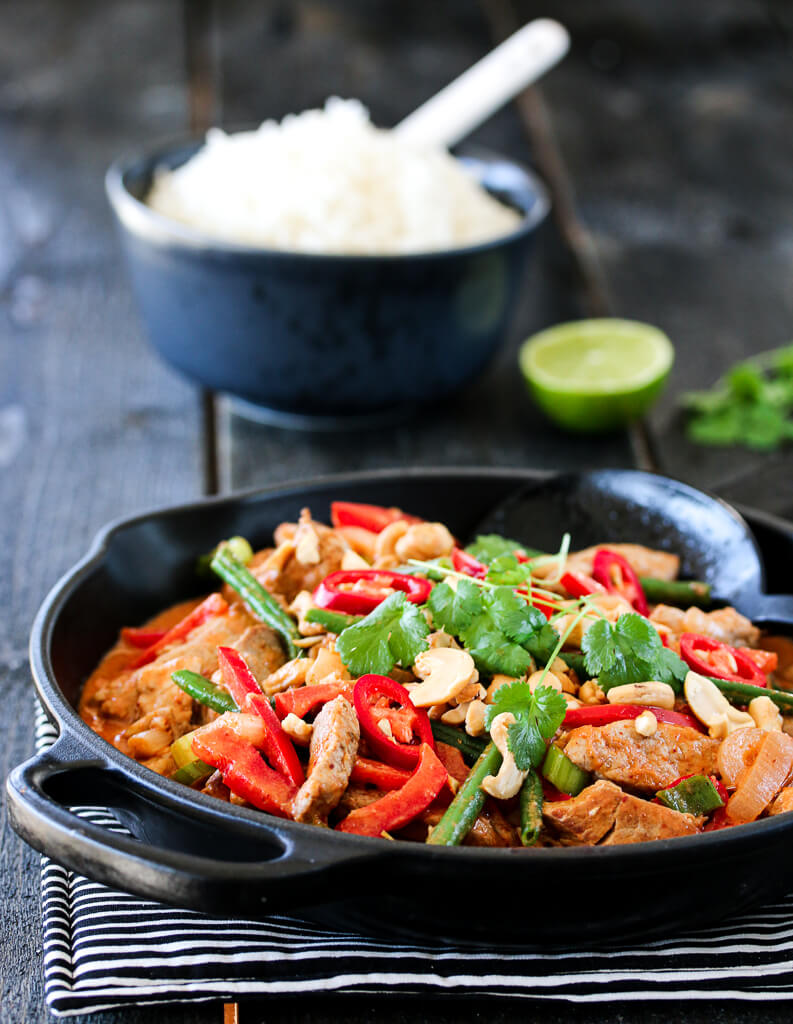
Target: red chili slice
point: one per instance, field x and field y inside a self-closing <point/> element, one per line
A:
<point x="463" y="562"/>
<point x="603" y="714"/>
<point x="400" y="806"/>
<point x="711" y="658"/>
<point x="616" y="575"/>
<point x="368" y="691"/>
<point x="369" y="517"/>
<point x="360" y="591"/>
<point x="578" y="584"/>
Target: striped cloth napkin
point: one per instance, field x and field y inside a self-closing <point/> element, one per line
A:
<point x="105" y="949"/>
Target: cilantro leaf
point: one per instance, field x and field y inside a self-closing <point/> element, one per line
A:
<point x="752" y="405"/>
<point x="498" y="628"/>
<point x="537" y="717"/>
<point x="506" y="570"/>
<point x="394" y="633"/>
<point x="455" y="609"/>
<point x="630" y="651"/>
<point x="599" y="647"/>
<point x="489" y="546"/>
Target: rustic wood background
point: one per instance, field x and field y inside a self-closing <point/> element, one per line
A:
<point x="667" y="139"/>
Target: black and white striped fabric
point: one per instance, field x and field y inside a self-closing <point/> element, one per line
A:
<point x="104" y="948"/>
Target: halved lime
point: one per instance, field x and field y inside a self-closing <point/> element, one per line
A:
<point x="595" y="375"/>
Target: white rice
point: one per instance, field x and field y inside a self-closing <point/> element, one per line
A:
<point x="328" y="181"/>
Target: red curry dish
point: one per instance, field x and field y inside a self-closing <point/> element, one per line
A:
<point x="374" y="677"/>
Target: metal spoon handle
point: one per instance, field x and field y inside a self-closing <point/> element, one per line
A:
<point x="485" y="87"/>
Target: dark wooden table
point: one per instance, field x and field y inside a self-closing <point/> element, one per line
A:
<point x="666" y="139"/>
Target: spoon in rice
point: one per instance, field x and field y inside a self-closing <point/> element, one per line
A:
<point x="484" y="88"/>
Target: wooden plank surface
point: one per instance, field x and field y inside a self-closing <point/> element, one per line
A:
<point x="91" y="425"/>
<point x="674" y="122"/>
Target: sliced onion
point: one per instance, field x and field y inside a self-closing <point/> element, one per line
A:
<point x="760" y="784"/>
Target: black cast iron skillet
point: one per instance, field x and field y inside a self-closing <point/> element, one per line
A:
<point x="713" y="540"/>
<point x="194" y="851"/>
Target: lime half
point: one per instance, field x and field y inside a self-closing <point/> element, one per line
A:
<point x="595" y="375"/>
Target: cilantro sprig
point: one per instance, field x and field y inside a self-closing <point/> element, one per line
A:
<point x="630" y="651"/>
<point x="501" y="632"/>
<point x="751" y="405"/>
<point x="489" y="546"/>
<point x="393" y="634"/>
<point x="537" y="717"/>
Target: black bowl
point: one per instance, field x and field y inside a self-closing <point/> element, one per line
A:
<point x="198" y="852"/>
<point x="310" y="336"/>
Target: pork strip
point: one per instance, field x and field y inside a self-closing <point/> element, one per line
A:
<point x="334" y="745"/>
<point x="585" y="819"/>
<point x="648" y="763"/>
<point x="639" y="821"/>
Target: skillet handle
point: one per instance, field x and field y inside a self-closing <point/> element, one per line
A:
<point x="771" y="609"/>
<point x="252" y="868"/>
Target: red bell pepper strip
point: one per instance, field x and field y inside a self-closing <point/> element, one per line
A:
<point x="604" y="714"/>
<point x="359" y="591"/>
<point x="241" y="684"/>
<point x="400" y="806"/>
<point x="212" y="605"/>
<point x="616" y="575"/>
<point x="463" y="562"/>
<point x="711" y="658"/>
<point x="766" y="661"/>
<point x="140" y="636"/>
<point x="278" y="747"/>
<point x="244" y="770"/>
<point x="368" y="691"/>
<point x="578" y="584"/>
<point x="384" y="776"/>
<point x="305" y="698"/>
<point x="370" y="517"/>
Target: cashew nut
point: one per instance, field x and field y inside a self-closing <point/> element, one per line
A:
<point x="385" y="545"/>
<point x="510" y="778"/>
<point x="549" y="679"/>
<point x="590" y="693"/>
<point x="650" y="694"/>
<point x="646" y="724"/>
<point x="297" y="729"/>
<point x="423" y="541"/>
<point x="475" y="718"/>
<point x="712" y="708"/>
<point x="766" y="714"/>
<point x="495" y="684"/>
<point x="445" y="672"/>
<point x="441" y="639"/>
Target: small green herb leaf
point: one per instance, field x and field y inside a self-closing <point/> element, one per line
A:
<point x="490" y="546"/>
<point x="394" y="633"/>
<point x="630" y="651"/>
<point x="537" y="717"/>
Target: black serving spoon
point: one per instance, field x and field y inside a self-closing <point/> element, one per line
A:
<point x="713" y="540"/>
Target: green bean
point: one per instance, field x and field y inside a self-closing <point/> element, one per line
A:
<point x="742" y="693"/>
<point x="530" y="802"/>
<point x="204" y="691"/>
<point x="679" y="592"/>
<point x="263" y="605"/>
<point x="334" y="622"/>
<point x="463" y="811"/>
<point x="469" y="746"/>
